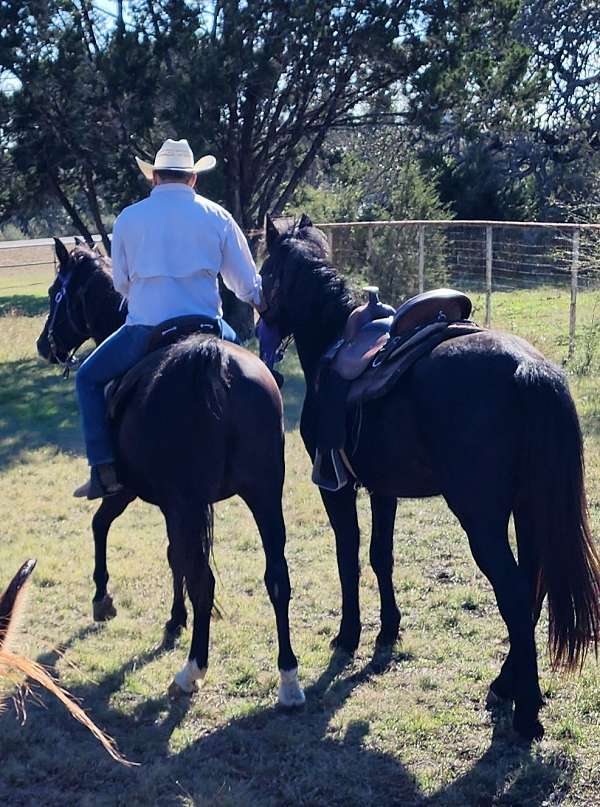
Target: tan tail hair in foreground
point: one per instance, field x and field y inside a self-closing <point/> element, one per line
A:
<point x="13" y="665"/>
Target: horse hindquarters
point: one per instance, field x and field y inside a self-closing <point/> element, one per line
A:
<point x="469" y="418"/>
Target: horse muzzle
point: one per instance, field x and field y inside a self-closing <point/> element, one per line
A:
<point x="44" y="350"/>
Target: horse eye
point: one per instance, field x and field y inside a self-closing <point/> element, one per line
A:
<point x="58" y="297"/>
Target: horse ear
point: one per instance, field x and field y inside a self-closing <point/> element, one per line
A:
<point x="305" y="221"/>
<point x="62" y="253"/>
<point x="10" y="598"/>
<point x="79" y="242"/>
<point x="271" y="232"/>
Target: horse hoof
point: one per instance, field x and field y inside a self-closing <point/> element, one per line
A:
<point x="528" y="728"/>
<point x="344" y="644"/>
<point x="385" y="641"/>
<point x="170" y="637"/>
<point x="492" y="700"/>
<point x="168" y="641"/>
<point x="291" y="695"/>
<point x="104" y="609"/>
<point x="176" y="691"/>
<point x="174" y="628"/>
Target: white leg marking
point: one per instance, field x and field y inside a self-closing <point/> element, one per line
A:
<point x="290" y="692"/>
<point x="188" y="675"/>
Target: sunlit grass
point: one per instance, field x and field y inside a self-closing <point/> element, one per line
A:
<point x="415" y="734"/>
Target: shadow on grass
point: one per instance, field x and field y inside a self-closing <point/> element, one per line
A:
<point x="37" y="408"/>
<point x="23" y="305"/>
<point x="268" y="757"/>
<point x="293" y="389"/>
<point x="293" y="398"/>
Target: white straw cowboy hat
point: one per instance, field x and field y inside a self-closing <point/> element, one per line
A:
<point x="176" y="155"/>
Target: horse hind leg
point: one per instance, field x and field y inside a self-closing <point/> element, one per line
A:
<point x="267" y="512"/>
<point x="110" y="509"/>
<point x="502" y="688"/>
<point x="190" y="534"/>
<point x="494" y="557"/>
<point x="381" y="555"/>
<point x="178" y="620"/>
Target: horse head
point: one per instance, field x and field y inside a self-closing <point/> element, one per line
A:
<point x="302" y="291"/>
<point x="294" y="251"/>
<point x="73" y="302"/>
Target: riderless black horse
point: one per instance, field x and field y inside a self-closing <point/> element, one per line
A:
<point x="202" y="422"/>
<point x="487" y="422"/>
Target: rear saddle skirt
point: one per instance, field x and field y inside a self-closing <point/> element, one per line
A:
<point x="378" y="347"/>
<point x="167" y="333"/>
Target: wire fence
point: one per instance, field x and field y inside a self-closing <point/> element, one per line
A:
<point x="539" y="280"/>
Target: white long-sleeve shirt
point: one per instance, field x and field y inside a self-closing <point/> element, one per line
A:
<point x="167" y="253"/>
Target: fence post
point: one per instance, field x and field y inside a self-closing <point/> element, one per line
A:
<point x="421" y="257"/>
<point x="573" y="306"/>
<point x="369" y="243"/>
<point x="488" y="275"/>
<point x="329" y="234"/>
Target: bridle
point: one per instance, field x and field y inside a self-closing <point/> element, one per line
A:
<point x="279" y="353"/>
<point x="62" y="296"/>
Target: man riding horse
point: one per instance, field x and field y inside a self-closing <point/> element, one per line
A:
<point x="167" y="253"/>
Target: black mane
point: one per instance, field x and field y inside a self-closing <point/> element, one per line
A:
<point x="305" y="248"/>
<point x="86" y="258"/>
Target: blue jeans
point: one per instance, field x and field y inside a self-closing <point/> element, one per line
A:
<point x="117" y="354"/>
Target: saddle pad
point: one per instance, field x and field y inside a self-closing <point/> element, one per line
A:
<point x="378" y="380"/>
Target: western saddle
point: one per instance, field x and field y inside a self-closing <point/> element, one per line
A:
<point x="371" y="326"/>
<point x="378" y="346"/>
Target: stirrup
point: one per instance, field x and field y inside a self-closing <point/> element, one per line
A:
<point x="339" y="469"/>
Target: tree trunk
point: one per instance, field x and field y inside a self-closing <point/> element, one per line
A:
<point x="93" y="201"/>
<point x="70" y="209"/>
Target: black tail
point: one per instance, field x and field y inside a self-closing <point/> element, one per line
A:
<point x="198" y="361"/>
<point x="554" y="494"/>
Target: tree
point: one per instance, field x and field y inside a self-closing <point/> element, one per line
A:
<point x="373" y="175"/>
<point x="510" y="127"/>
<point x="260" y="84"/>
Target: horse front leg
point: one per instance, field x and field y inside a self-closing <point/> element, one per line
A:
<point x="381" y="555"/>
<point x="110" y="509"/>
<point x="341" y="509"/>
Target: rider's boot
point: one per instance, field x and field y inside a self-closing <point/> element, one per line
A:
<point x="103" y="482"/>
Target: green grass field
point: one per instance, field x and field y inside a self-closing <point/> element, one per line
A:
<point x="416" y="733"/>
